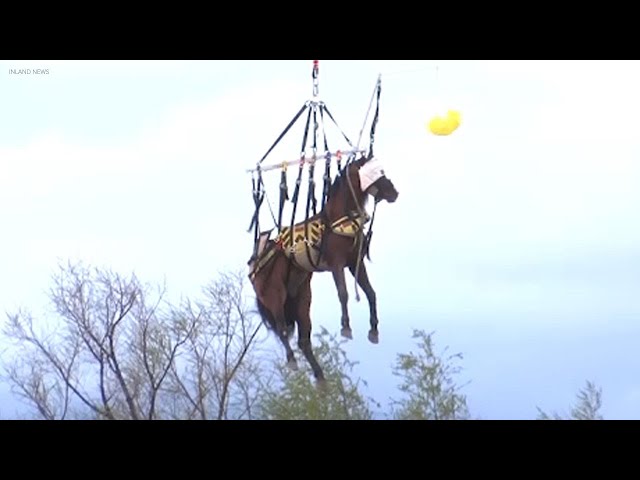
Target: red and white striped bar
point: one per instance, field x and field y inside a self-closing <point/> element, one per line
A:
<point x="308" y="160"/>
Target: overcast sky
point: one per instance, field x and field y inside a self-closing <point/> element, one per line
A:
<point x="516" y="239"/>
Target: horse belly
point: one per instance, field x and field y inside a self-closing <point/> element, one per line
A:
<point x="308" y="258"/>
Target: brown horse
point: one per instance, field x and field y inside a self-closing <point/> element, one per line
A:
<point x="329" y="241"/>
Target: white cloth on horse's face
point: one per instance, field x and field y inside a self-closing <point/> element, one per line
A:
<point x="370" y="172"/>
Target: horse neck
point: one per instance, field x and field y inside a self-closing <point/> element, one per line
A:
<point x="342" y="201"/>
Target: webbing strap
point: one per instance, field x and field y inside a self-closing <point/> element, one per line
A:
<point x="304" y="107"/>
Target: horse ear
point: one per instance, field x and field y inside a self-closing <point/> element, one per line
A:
<point x="367" y="158"/>
<point x="362" y="160"/>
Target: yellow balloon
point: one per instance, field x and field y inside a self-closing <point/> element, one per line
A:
<point x="445" y="125"/>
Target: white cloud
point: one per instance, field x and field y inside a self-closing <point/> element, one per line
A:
<point x="175" y="201"/>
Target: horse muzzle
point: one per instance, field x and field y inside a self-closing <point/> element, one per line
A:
<point x="388" y="196"/>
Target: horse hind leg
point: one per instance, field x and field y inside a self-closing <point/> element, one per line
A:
<point x="290" y="314"/>
<point x="275" y="305"/>
<point x="285" y="333"/>
<point x="303" y="309"/>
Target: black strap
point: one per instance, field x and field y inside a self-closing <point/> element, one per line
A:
<point x="336" y="124"/>
<point x="311" y="196"/>
<point x="312" y="168"/>
<point x="304" y="107"/>
<point x="284" y="196"/>
<point x="327" y="180"/>
<point x="306" y="134"/>
<point x="324" y="130"/>
<point x="327" y="168"/>
<point x="296" y="190"/>
<point x="258" y="197"/>
<point x="367" y="239"/>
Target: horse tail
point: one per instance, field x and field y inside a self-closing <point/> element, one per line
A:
<point x="267" y="317"/>
<point x="289" y="315"/>
<point x="290" y="306"/>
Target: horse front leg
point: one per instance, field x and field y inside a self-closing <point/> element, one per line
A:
<point x="343" y="295"/>
<point x="363" y="280"/>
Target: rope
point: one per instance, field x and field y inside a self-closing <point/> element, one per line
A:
<point x="368" y="110"/>
<point x="360" y="238"/>
<point x="375" y="118"/>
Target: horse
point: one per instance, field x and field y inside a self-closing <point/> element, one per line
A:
<point x="281" y="269"/>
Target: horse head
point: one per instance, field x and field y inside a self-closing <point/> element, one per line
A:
<point x="357" y="180"/>
<point x="373" y="181"/>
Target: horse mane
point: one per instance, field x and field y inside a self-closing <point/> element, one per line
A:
<point x="338" y="181"/>
<point x="342" y="173"/>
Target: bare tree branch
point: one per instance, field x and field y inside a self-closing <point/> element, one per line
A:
<point x="118" y="351"/>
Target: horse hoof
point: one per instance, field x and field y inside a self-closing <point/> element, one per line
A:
<point x="346" y="332"/>
<point x="293" y="365"/>
<point x="373" y="336"/>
